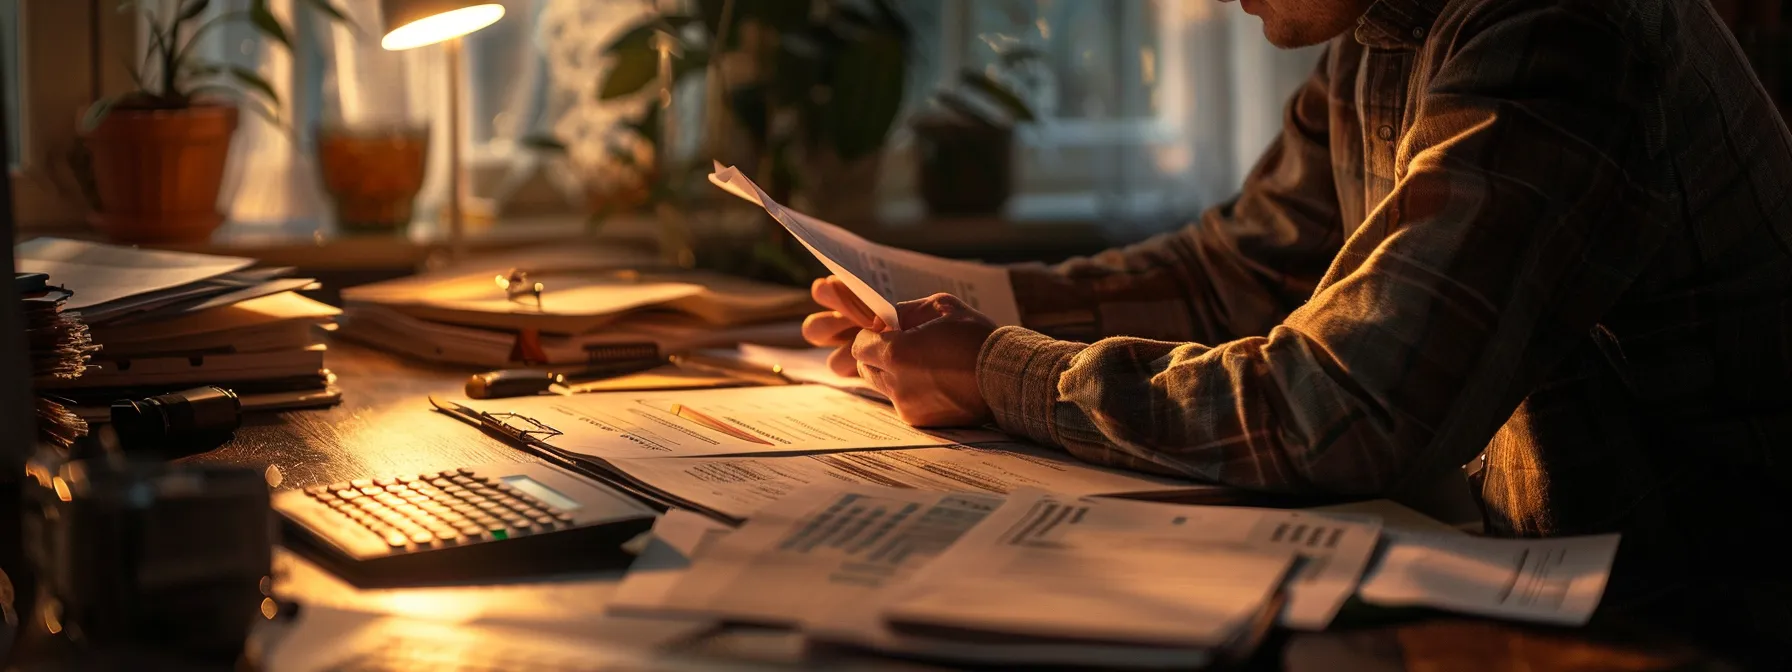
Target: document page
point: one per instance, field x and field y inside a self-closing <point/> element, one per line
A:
<point x="1556" y="580"/>
<point x="883" y="276"/>
<point x="736" y="487"/>
<point x="1011" y="576"/>
<point x="732" y="421"/>
<point x="1331" y="551"/>
<point x="101" y="273"/>
<point x="808" y="365"/>
<point x="808" y="555"/>
<point x="678" y="536"/>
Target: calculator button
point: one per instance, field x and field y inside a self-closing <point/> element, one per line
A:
<point x="317" y="489"/>
<point x="385" y="482"/>
<point x="324" y="497"/>
<point x="544" y="521"/>
<point x="371" y="490"/>
<point x="422" y="536"/>
<point x="348" y="494"/>
<point x="393" y="488"/>
<point x="410" y="478"/>
<point x="441" y="482"/>
<point x="361" y="482"/>
<point x="468" y="471"/>
<point x="396" y="540"/>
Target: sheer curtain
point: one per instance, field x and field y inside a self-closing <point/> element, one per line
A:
<point x="1152" y="109"/>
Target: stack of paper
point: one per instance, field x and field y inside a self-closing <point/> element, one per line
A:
<point x="585" y="314"/>
<point x="1040" y="578"/>
<point x="729" y="452"/>
<point x="166" y="321"/>
<point x="60" y="346"/>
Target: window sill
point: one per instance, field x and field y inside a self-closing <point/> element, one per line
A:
<point x="1033" y="228"/>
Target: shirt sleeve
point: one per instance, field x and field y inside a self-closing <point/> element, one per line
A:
<point x="1237" y="272"/>
<point x="1527" y="202"/>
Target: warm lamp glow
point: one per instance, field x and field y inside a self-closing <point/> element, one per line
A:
<point x="447" y="25"/>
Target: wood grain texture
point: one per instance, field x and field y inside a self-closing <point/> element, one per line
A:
<point x="383" y="427"/>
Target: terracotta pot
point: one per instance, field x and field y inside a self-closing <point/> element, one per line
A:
<point x="158" y="172"/>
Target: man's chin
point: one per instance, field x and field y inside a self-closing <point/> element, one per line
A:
<point x="1293" y="36"/>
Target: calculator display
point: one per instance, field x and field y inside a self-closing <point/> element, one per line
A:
<point x="541" y="492"/>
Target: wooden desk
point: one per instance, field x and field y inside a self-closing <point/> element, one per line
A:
<point x="385" y="426"/>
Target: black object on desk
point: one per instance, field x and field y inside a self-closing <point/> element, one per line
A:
<point x="458" y="524"/>
<point x="507" y="383"/>
<point x="528" y="382"/>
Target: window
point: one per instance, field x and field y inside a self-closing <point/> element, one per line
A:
<point x="1152" y="109"/>
<point x="49" y="79"/>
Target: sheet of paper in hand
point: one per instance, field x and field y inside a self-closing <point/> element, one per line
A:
<point x="883" y="276"/>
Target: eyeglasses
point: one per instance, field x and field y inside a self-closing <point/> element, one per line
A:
<point x="517" y="285"/>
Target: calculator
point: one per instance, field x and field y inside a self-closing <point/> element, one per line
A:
<point x="472" y="522"/>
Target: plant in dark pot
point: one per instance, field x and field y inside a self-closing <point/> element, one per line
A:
<point x="966" y="143"/>
<point x="799" y="94"/>
<point x="155" y="155"/>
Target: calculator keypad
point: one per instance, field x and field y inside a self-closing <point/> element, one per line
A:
<point x="438" y="510"/>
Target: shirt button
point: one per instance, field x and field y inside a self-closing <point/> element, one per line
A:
<point x="1418" y="33"/>
<point x="1386" y="133"/>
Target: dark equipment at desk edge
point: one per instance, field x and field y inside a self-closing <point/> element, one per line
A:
<point x="178" y="424"/>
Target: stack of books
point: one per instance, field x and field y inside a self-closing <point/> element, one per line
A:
<point x="559" y="309"/>
<point x="60" y="347"/>
<point x="163" y="321"/>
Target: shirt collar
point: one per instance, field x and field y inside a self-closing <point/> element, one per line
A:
<point x="1397" y="24"/>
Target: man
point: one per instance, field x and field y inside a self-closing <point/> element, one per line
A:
<point x="1555" y="230"/>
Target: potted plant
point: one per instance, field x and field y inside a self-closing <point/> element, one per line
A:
<point x="156" y="154"/>
<point x="966" y="143"/>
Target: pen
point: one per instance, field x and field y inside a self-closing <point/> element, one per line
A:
<point x="526" y="382"/>
<point x="734" y="368"/>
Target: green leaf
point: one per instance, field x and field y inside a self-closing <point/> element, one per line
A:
<point x="631" y="72"/>
<point x="96" y="113"/>
<point x="867" y="82"/>
<point x="253" y="80"/>
<point x="1013" y="57"/>
<point x="244" y="102"/>
<point x="982" y="83"/>
<point x="192" y="10"/>
<point x="543" y="142"/>
<point x="893" y="20"/>
<point x="265" y="22"/>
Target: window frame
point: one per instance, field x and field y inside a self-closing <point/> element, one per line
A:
<point x="56" y="81"/>
<point x="1059" y="189"/>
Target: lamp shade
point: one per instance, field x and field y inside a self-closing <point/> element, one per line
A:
<point x="415" y="23"/>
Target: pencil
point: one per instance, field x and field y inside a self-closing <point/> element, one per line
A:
<point x="696" y="416"/>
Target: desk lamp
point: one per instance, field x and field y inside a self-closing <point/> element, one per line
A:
<point x="415" y="23"/>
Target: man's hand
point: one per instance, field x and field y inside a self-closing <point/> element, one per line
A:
<point x="845" y="316"/>
<point x="929" y="370"/>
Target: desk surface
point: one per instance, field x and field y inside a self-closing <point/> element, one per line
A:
<point x="385" y="426"/>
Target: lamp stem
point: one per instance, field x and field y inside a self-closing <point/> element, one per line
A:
<point x="456" y="169"/>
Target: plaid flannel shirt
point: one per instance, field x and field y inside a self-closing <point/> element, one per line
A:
<point x="1554" y="230"/>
